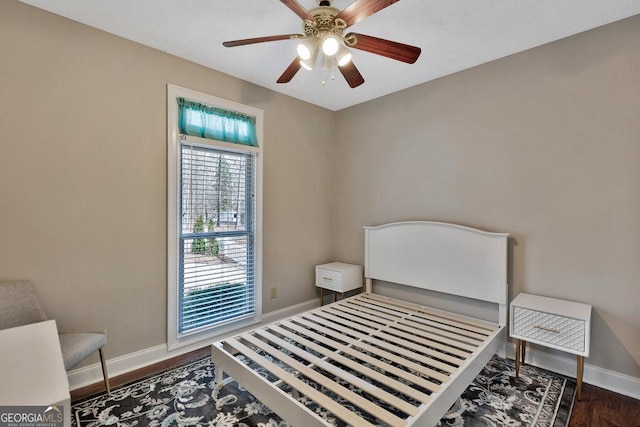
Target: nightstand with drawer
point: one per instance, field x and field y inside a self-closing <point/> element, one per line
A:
<point x="553" y="323"/>
<point x="338" y="277"/>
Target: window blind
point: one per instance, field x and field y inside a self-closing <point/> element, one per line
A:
<point x="217" y="283"/>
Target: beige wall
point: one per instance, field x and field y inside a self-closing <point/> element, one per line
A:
<point x="544" y="145"/>
<point x="83" y="176"/>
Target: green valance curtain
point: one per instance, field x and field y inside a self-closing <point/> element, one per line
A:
<point x="216" y="123"/>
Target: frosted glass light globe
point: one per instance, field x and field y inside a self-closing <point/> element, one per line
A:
<point x="344" y="59"/>
<point x="330" y="45"/>
<point x="303" y="51"/>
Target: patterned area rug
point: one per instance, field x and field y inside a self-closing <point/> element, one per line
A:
<point x="185" y="396"/>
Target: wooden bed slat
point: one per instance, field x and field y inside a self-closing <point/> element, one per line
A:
<point x="400" y="341"/>
<point x="422" y="382"/>
<point x="448" y="345"/>
<point x="441" y="324"/>
<point x="412" y="355"/>
<point x="425" y="321"/>
<point x="437" y="335"/>
<point x="434" y="336"/>
<point x="392" y="356"/>
<point x="363" y="385"/>
<point x="485" y="327"/>
<point x="456" y="361"/>
<point x="361" y="302"/>
<point x="452" y="323"/>
<point x="350" y="329"/>
<point x="410" y="322"/>
<point x="320" y="379"/>
<point x="352" y="364"/>
<point x="299" y="385"/>
<point x="442" y="347"/>
<point x="355" y="305"/>
<point x="404" y="362"/>
<point x="367" y="313"/>
<point x="337" y="324"/>
<point x="342" y="318"/>
<point x="275" y="398"/>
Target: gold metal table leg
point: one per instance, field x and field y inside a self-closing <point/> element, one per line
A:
<point x="105" y="375"/>
<point x="518" y="346"/>
<point x="524" y="352"/>
<point x="579" y="377"/>
<point x="321" y="297"/>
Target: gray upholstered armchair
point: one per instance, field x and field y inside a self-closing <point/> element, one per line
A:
<point x="19" y="306"/>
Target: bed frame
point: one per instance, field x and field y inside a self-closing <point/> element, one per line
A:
<point x="401" y="363"/>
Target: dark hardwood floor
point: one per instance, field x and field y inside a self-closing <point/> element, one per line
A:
<point x="138" y="374"/>
<point x="598" y="407"/>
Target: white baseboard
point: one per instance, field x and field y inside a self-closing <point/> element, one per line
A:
<point x="91" y="374"/>
<point x="600" y="377"/>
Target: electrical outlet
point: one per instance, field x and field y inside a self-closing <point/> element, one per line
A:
<point x="274" y="293"/>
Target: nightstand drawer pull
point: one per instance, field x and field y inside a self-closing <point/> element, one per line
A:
<point x="328" y="278"/>
<point x="555" y="331"/>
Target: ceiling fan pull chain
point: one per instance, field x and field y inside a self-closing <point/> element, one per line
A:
<point x="323" y="83"/>
<point x="333" y="67"/>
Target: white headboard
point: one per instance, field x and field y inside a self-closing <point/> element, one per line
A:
<point x="441" y="257"/>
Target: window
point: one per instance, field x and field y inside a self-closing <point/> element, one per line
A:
<point x="214" y="216"/>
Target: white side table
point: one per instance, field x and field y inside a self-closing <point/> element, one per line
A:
<point x="338" y="277"/>
<point x="553" y="323"/>
<point x="32" y="369"/>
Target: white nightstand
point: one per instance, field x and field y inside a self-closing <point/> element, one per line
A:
<point x="338" y="277"/>
<point x="554" y="323"/>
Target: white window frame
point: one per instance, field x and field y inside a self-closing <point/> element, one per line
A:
<point x="174" y="339"/>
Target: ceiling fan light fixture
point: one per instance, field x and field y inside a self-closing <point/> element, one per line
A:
<point x="308" y="63"/>
<point x="330" y="45"/>
<point x="306" y="47"/>
<point x="323" y="28"/>
<point x="343" y="56"/>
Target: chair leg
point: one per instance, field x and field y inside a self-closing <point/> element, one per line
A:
<point x="104" y="372"/>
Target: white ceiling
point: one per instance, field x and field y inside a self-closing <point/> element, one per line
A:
<point x="453" y="34"/>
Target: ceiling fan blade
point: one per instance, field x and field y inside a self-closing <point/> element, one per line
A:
<point x="298" y="9"/>
<point x="291" y="71"/>
<point x="394" y="50"/>
<point x="243" y="42"/>
<point x="351" y="74"/>
<point x="360" y="9"/>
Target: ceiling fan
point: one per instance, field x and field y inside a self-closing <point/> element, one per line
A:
<point x="323" y="32"/>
